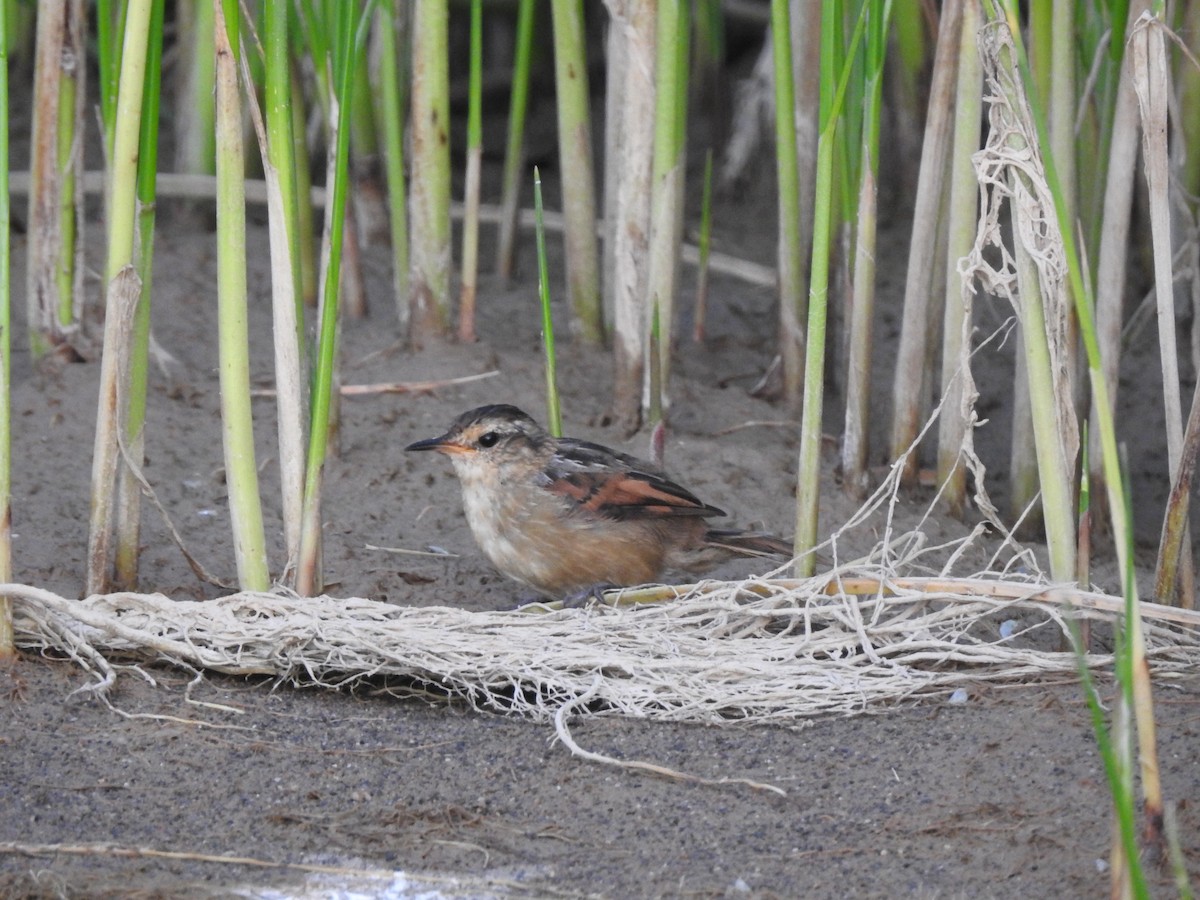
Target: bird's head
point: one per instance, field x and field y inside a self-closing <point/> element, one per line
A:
<point x="494" y="435"/>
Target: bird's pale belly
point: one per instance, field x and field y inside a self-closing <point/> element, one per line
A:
<point x="554" y="554"/>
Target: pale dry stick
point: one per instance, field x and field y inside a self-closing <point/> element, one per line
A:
<point x="457" y="881"/>
<point x="861" y="585"/>
<point x="395" y="387"/>
<point x="564" y="735"/>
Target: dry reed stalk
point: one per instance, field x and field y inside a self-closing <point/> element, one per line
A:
<point x="962" y="215"/>
<point x="1114" y="251"/>
<point x="908" y="396"/>
<point x="629" y="160"/>
<point x="1148" y="67"/>
<point x="285" y="334"/>
<point x="124" y="292"/>
<point x="53" y="278"/>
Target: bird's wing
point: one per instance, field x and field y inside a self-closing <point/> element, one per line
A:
<point x="611" y="485"/>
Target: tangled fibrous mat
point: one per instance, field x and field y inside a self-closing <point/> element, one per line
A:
<point x="752" y="651"/>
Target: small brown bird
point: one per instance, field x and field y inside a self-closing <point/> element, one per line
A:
<point x="565" y="516"/>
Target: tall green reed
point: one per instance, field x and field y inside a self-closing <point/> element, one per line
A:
<point x="128" y="507"/>
<point x="237" y="423"/>
<point x="809" y="465"/>
<point x="349" y="29"/>
<point x="578" y="175"/>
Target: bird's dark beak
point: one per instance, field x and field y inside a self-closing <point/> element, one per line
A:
<point x="441" y="444"/>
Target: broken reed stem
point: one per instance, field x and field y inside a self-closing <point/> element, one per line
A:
<point x="514" y="153"/>
<point x="134" y="379"/>
<point x="1148" y="60"/>
<point x="48" y="203"/>
<point x="962" y="217"/>
<point x="121" y="301"/>
<point x="470" y="227"/>
<point x="237" y="424"/>
<point x="121" y="293"/>
<point x="628" y="158"/>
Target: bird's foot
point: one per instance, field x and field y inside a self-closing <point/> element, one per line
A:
<point x="587" y="596"/>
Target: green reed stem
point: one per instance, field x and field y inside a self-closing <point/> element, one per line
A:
<point x="195" y="133"/>
<point x="349" y="41"/>
<point x="578" y="172"/>
<point x="128" y="510"/>
<point x="69" y="119"/>
<point x="791" y="266"/>
<point x="666" y="195"/>
<point x="1137" y="684"/>
<point x="122" y="183"/>
<point x="305" y="213"/>
<point x="470" y="227"/>
<point x="809" y="466"/>
<point x="241" y="473"/>
<point x="862" y="306"/>
<point x="553" y="408"/>
<point x="287" y="302"/>
<point x="514" y="154"/>
<point x="392" y="107"/>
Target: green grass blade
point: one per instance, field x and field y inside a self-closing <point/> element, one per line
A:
<point x="553" y="409"/>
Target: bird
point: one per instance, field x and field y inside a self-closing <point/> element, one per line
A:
<point x="569" y="517"/>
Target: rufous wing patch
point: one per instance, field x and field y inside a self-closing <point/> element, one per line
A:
<point x="629" y="495"/>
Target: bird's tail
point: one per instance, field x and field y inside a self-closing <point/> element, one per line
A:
<point x="750" y="543"/>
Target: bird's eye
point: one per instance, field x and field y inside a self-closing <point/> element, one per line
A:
<point x="488" y="439"/>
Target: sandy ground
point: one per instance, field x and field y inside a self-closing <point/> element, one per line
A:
<point x="324" y="793"/>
